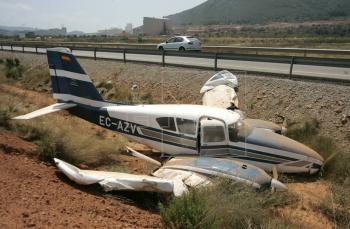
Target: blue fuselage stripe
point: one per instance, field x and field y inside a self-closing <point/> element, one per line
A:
<point x="64" y="85"/>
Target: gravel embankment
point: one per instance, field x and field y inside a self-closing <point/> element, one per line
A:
<point x="260" y="97"/>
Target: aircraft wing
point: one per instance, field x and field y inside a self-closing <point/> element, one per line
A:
<point x="114" y="180"/>
<point x="46" y="110"/>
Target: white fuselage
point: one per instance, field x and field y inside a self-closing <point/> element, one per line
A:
<point x="182" y="134"/>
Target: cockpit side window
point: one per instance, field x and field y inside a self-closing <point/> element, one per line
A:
<point x="239" y="131"/>
<point x="233" y="133"/>
<point x="186" y="126"/>
<point x="166" y="123"/>
<point x="213" y="134"/>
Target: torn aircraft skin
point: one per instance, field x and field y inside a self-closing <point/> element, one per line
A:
<point x="176" y="130"/>
<point x="219" y="91"/>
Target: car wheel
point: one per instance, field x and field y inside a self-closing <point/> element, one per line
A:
<point x="161" y="48"/>
<point x="182" y="49"/>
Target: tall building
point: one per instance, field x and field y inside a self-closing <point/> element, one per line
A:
<point x="156" y="26"/>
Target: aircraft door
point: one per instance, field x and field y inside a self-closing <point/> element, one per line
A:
<point x="213" y="138"/>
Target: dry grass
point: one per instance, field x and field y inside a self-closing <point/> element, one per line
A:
<point x="69" y="138"/>
<point x="37" y="78"/>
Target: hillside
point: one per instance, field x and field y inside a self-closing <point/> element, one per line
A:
<point x="261" y="11"/>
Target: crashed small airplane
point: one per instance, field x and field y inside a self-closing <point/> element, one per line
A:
<point x="203" y="141"/>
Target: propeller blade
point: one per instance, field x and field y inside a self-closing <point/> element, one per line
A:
<point x="274" y="172"/>
<point x="329" y="159"/>
<point x="277" y="185"/>
<point x="284" y="126"/>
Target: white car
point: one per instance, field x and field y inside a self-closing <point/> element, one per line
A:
<point x="180" y="43"/>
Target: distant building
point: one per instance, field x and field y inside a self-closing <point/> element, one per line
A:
<point x="22" y="35"/>
<point x="51" y="32"/>
<point x="110" y="32"/>
<point x="75" y="33"/>
<point x="138" y="30"/>
<point x="128" y="28"/>
<point x="156" y="26"/>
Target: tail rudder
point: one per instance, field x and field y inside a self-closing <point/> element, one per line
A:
<point x="69" y="80"/>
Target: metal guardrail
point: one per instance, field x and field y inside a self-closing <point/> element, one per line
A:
<point x="300" y="52"/>
<point x="292" y="60"/>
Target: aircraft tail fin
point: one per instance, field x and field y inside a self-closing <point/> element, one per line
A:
<point x="69" y="80"/>
<point x="46" y="110"/>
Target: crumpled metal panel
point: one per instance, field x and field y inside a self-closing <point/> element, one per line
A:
<point x="219" y="167"/>
<point x="182" y="179"/>
<point x="221" y="96"/>
<point x="115" y="181"/>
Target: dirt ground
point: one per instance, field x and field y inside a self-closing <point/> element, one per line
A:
<point x="33" y="194"/>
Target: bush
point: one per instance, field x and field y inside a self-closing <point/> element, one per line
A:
<point x="37" y="78"/>
<point x="225" y="205"/>
<point x="336" y="205"/>
<point x="6" y="114"/>
<point x="13" y="68"/>
<point x="191" y="210"/>
<point x="307" y="132"/>
<point x="46" y="149"/>
<point x="4" y="118"/>
<point x="304" y="131"/>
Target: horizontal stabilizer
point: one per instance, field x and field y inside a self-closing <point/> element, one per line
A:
<point x="46" y="110"/>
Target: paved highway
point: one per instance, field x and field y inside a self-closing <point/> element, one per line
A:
<point x="298" y="70"/>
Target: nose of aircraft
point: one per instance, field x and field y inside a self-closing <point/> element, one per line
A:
<point x="276" y="141"/>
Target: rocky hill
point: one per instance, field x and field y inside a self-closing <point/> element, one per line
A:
<point x="261" y="11"/>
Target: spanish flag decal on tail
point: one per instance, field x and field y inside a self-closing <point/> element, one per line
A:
<point x="65" y="58"/>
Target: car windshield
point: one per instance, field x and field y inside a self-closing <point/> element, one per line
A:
<point x="239" y="130"/>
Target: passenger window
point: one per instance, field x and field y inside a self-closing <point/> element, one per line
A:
<point x="179" y="39"/>
<point x="213" y="134"/>
<point x="171" y="40"/>
<point x="167" y="123"/>
<point x="186" y="126"/>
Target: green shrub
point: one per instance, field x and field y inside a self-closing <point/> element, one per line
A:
<point x="47" y="149"/>
<point x="338" y="169"/>
<point x="1" y="61"/>
<point x="4" y="118"/>
<point x="307" y="132"/>
<point x="13" y="68"/>
<point x="304" y="131"/>
<point x="190" y="210"/>
<point x="226" y="205"/>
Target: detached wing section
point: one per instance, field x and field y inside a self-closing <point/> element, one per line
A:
<point x="221" y="96"/>
<point x="46" y="110"/>
<point x="219" y="91"/>
<point x="115" y="181"/>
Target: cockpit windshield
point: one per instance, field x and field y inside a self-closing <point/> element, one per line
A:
<point x="239" y="130"/>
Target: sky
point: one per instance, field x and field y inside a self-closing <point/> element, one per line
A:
<point x="86" y="15"/>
